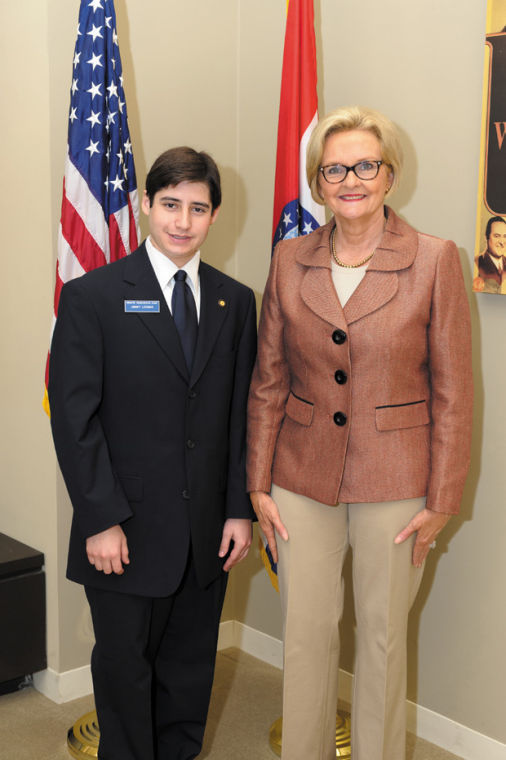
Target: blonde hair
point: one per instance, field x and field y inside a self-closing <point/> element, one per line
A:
<point x="343" y="120"/>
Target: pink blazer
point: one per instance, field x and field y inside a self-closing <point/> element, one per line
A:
<point x="372" y="402"/>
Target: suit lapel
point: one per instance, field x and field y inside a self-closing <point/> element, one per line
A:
<point x="214" y="307"/>
<point x="141" y="284"/>
<point x="318" y="293"/>
<point x="317" y="289"/>
<point x="375" y="290"/>
<point x="396" y="251"/>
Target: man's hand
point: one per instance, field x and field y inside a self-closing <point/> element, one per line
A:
<point x="108" y="551"/>
<point x="268" y="519"/>
<point x="427" y="524"/>
<point x="240" y="532"/>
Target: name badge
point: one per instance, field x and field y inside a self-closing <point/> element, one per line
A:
<point x="142" y="307"/>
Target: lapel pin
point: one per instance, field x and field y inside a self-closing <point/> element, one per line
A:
<point x="221" y="302"/>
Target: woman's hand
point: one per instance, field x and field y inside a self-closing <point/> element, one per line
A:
<point x="268" y="519"/>
<point x="426" y="524"/>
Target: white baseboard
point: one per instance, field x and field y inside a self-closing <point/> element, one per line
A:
<point x="249" y="640"/>
<point x="63" y="687"/>
<point x="431" y="726"/>
<point x="428" y="725"/>
<point x="452" y="736"/>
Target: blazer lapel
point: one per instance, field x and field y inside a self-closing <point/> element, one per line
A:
<point x="141" y="284"/>
<point x="214" y="306"/>
<point x="317" y="289"/>
<point x="396" y="251"/>
<point x="375" y="290"/>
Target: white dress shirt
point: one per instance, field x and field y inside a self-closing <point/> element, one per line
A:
<point x="165" y="269"/>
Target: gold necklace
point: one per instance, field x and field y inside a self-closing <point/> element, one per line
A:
<point x="341" y="263"/>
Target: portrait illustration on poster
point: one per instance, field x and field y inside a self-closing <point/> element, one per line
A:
<point x="490" y="247"/>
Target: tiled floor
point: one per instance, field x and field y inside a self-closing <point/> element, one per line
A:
<point x="246" y="700"/>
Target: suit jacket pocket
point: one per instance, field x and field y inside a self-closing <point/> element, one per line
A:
<point x="133" y="487"/>
<point x="299" y="410"/>
<point x="399" y="416"/>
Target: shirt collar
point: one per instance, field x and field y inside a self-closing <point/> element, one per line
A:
<point x="165" y="269"/>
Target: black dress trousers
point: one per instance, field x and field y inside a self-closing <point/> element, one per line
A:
<point x="153" y="667"/>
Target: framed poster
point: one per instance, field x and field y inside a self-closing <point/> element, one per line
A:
<point x="490" y="247"/>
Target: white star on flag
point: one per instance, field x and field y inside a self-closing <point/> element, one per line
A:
<point x="94" y="118"/>
<point x="95" y="60"/>
<point x="92" y="147"/>
<point x="113" y="90"/>
<point x="95" y="32"/>
<point x="94" y="90"/>
<point x="117" y="183"/>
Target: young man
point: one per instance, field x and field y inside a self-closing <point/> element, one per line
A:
<point x="150" y="366"/>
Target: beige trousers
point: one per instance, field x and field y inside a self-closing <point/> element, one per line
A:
<point x="385" y="583"/>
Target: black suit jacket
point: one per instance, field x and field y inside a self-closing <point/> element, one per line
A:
<point x="138" y="441"/>
<point x="487" y="270"/>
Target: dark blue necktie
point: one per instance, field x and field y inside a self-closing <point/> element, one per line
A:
<point x="184" y="313"/>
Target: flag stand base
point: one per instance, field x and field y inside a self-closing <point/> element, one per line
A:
<point x="82" y="738"/>
<point x="343" y="745"/>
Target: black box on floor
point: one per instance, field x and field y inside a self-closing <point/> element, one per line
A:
<point x="22" y="612"/>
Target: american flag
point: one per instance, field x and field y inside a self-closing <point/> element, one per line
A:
<point x="295" y="212"/>
<point x="100" y="210"/>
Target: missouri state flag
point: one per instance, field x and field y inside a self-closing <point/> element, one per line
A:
<point x="295" y="212"/>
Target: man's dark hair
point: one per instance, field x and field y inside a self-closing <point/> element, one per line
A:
<point x="184" y="165"/>
<point x="491" y="222"/>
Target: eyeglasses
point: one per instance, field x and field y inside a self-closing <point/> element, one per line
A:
<point x="335" y="173"/>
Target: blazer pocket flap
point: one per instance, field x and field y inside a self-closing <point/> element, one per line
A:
<point x="299" y="410"/>
<point x="402" y="416"/>
<point x="132" y="486"/>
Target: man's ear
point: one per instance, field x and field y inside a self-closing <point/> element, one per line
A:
<point x="145" y="203"/>
<point x="215" y="213"/>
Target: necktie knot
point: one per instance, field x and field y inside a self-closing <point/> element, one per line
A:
<point x="180" y="275"/>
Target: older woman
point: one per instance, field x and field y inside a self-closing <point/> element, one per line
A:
<point x="359" y="432"/>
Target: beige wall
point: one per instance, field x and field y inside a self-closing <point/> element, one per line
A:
<point x="207" y="73"/>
